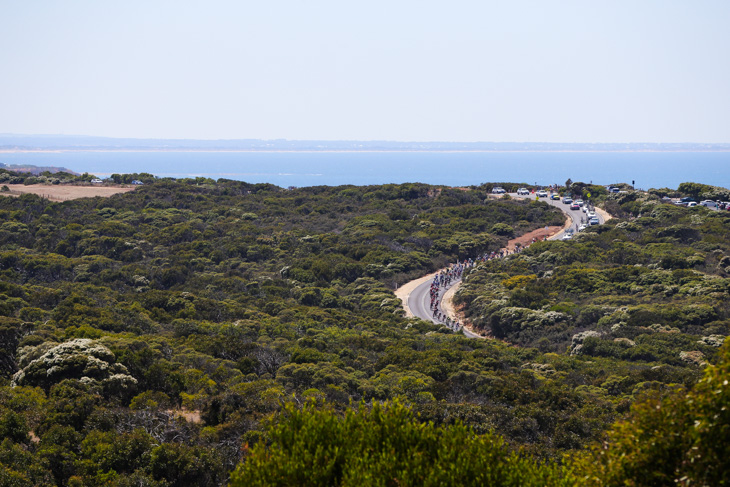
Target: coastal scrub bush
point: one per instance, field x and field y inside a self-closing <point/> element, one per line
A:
<point x="382" y="445"/>
<point x="82" y="358"/>
<point x="680" y="439"/>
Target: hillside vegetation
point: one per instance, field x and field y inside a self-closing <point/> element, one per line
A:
<point x="164" y="336"/>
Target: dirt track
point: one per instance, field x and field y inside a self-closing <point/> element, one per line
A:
<point x="62" y="192"/>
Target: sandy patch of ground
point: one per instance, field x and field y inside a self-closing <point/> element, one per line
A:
<point x="447" y="302"/>
<point x="188" y="415"/>
<point x="63" y="192"/>
<point x="539" y="234"/>
<point x="604" y="214"/>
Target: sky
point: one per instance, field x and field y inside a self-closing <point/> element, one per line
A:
<point x="497" y="71"/>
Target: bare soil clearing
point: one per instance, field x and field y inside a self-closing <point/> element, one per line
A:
<point x="63" y="192"/>
<point x="604" y="214"/>
<point x="539" y="234"/>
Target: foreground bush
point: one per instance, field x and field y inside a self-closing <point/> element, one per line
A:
<point x="384" y="445"/>
<point x="682" y="439"/>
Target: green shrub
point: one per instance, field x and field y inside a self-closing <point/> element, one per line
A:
<point x="382" y="445"/>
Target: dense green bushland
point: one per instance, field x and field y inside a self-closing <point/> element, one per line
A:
<point x="678" y="439"/>
<point x="223" y="301"/>
<point x="145" y="338"/>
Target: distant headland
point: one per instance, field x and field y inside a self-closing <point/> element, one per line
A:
<point x="43" y="143"/>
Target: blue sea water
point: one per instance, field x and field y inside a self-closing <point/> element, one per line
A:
<point x="648" y="169"/>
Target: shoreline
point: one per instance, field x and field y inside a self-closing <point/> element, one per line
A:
<point x="354" y="151"/>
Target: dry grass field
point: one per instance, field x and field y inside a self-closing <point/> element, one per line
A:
<point x="61" y="192"/>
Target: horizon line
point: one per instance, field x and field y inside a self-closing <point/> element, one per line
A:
<point x="400" y="141"/>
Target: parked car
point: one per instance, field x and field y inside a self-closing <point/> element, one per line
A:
<point x="709" y="203"/>
<point x="523" y="192"/>
<point x="594" y="221"/>
<point x="96" y="181"/>
<point x="686" y="201"/>
<point x="498" y="190"/>
<point x="691" y="204"/>
<point x="542" y="194"/>
<point x="567" y="236"/>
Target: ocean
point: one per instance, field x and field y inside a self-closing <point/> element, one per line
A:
<point x="647" y="169"/>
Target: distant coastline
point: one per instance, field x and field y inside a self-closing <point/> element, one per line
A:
<point x="363" y="151"/>
<point x="15" y="143"/>
<point x="341" y="167"/>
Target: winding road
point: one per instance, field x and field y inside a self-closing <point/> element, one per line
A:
<point x="417" y="300"/>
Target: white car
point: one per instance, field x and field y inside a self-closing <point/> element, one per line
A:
<point x="498" y="190"/>
<point x="542" y="194"/>
<point x="523" y="192"/>
<point x="579" y="202"/>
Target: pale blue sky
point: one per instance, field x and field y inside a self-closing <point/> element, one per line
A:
<point x="534" y="71"/>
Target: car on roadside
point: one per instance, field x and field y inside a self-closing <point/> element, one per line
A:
<point x="523" y="192"/>
<point x="590" y="214"/>
<point x="582" y="227"/>
<point x="709" y="203"/>
<point x="567" y="236"/>
<point x="498" y="190"/>
<point x="542" y="194"/>
<point x="594" y="221"/>
<point x="691" y="204"/>
<point x="685" y="201"/>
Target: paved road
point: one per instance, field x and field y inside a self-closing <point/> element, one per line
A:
<point x="419" y="301"/>
<point x="575" y="215"/>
